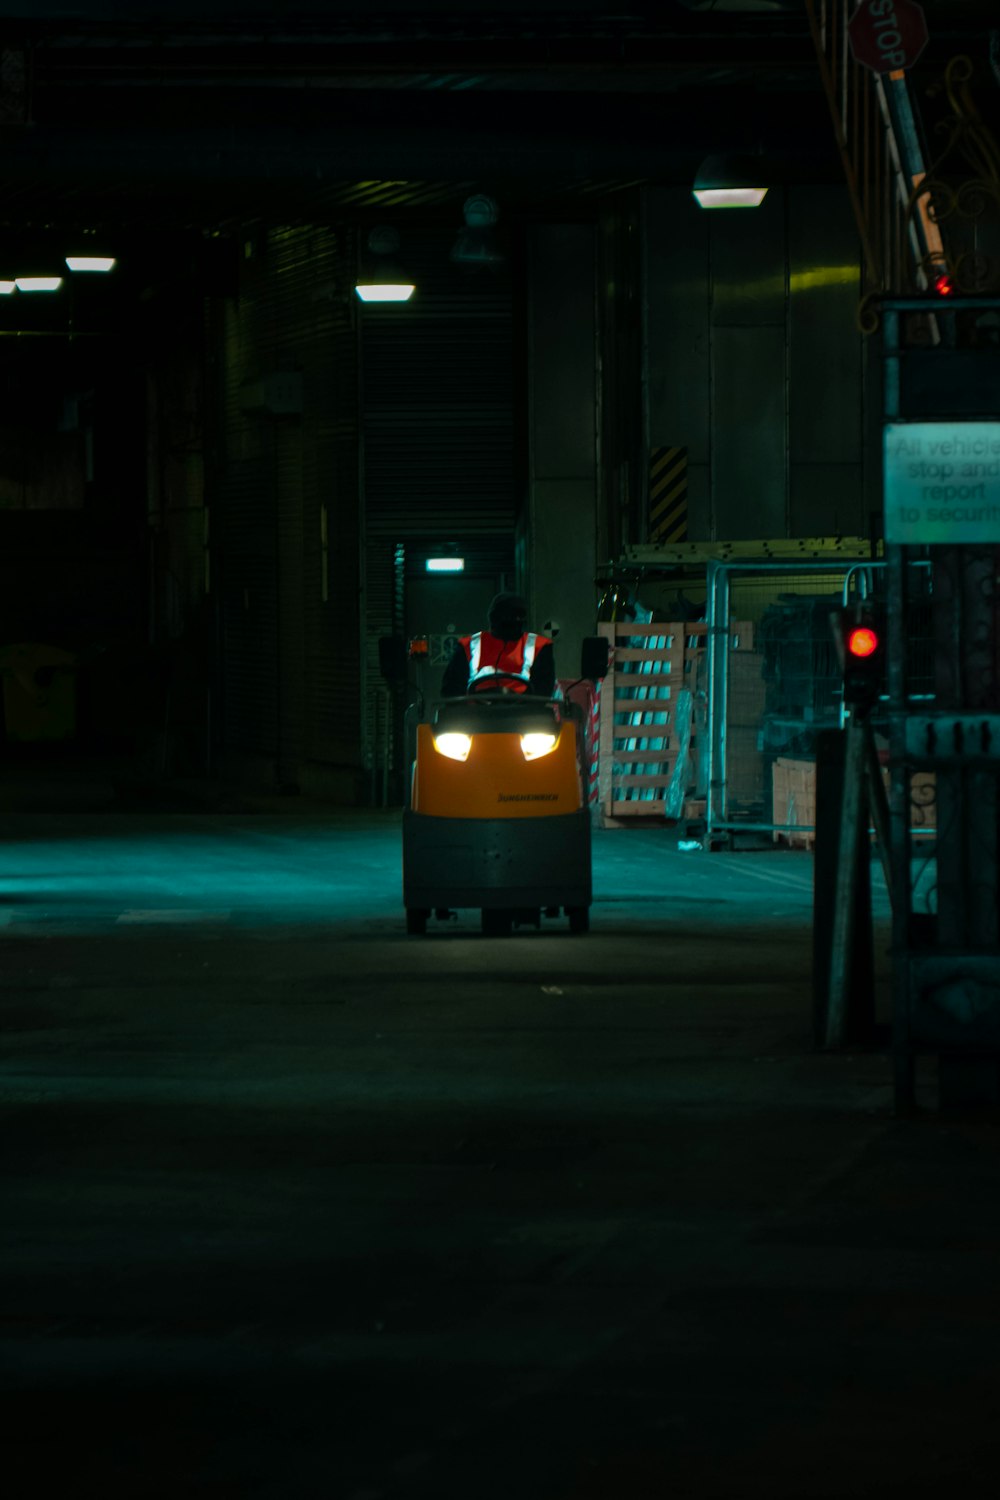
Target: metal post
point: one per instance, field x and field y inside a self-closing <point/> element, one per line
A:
<point x="373" y="778"/>
<point x="878" y="806"/>
<point x="890" y="387"/>
<point x="899" y="822"/>
<point x="721" y="638"/>
<point x="842" y="954"/>
<point x="711" y="615"/>
<point x="386" y="743"/>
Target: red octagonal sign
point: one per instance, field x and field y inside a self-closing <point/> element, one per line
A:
<point x="887" y="34"/>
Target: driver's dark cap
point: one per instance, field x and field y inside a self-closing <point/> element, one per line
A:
<point x="508" y="616"/>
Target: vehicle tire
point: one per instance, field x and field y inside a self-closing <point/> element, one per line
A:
<point x="416" y="920"/>
<point x="496" y="922"/>
<point x="579" y="918"/>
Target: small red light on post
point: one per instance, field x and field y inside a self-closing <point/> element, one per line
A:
<point x="862" y="641"/>
<point x="943" y="285"/>
<point x="861" y="649"/>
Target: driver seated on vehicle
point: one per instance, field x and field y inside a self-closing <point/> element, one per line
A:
<point x="505" y="658"/>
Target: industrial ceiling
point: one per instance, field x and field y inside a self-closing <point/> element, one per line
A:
<point x="138" y="114"/>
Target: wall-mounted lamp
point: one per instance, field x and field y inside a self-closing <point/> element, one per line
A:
<point x="382" y="279"/>
<point x="730" y="181"/>
<point x="445" y="565"/>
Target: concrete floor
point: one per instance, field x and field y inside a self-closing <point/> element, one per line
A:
<point x="297" y="1206"/>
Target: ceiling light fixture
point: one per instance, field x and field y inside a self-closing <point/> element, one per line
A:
<point x="6" y="287"/>
<point x="384" y="291"/>
<point x="91" y="262"/>
<point x="38" y="283"/>
<point x="730" y="181"/>
<point x="382" y="279"/>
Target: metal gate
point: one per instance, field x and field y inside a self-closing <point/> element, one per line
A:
<point x="767" y="705"/>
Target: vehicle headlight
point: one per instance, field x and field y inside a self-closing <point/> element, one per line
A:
<point x="534" y="745"/>
<point x="456" y="746"/>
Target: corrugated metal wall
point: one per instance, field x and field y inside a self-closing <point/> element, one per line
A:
<point x="621" y="470"/>
<point x="438" y="424"/>
<point x="286" y="484"/>
<point x="246" y="534"/>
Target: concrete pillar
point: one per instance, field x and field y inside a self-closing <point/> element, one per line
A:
<point x="560" y="519"/>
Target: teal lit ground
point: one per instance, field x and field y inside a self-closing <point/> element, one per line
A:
<point x="297" y="1206"/>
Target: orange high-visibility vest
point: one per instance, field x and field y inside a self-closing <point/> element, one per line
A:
<point x="488" y="656"/>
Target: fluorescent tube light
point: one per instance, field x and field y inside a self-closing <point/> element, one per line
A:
<point x="730" y="197"/>
<point x="6" y="287"/>
<point x="731" y="180"/>
<point x="90" y="262"/>
<point x="38" y="283"/>
<point x="445" y="565"/>
<point x="384" y="291"/>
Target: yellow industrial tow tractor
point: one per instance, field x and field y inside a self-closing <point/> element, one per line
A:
<point x="497" y="814"/>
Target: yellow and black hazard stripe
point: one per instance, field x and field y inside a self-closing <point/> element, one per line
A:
<point x="668" y="495"/>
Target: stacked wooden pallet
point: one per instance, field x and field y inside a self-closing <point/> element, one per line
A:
<point x="653" y="717"/>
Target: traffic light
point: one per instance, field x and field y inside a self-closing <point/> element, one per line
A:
<point x="861" y="641"/>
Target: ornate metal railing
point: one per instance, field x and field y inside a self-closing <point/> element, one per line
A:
<point x="925" y="192"/>
<point x="961" y="190"/>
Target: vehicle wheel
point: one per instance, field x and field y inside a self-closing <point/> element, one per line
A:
<point x="579" y="918"/>
<point x="496" y="923"/>
<point x="416" y="920"/>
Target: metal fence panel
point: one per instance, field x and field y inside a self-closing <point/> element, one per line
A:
<point x="768" y="703"/>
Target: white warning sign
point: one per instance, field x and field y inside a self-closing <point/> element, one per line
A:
<point x="942" y="482"/>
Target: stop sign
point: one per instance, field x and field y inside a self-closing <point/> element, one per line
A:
<point x="887" y="34"/>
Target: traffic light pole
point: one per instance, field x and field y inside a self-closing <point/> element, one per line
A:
<point x="850" y="993"/>
<point x="850" y="798"/>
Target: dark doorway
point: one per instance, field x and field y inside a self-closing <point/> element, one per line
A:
<point x="445" y="605"/>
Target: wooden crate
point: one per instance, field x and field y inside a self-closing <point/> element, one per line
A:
<point x="794" y="800"/>
<point x="633" y="778"/>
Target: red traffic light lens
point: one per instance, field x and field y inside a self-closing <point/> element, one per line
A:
<point x="943" y="285"/>
<point x="862" y="641"/>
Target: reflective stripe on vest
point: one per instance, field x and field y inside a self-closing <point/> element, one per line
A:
<point x="479" y="674"/>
